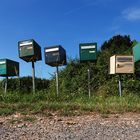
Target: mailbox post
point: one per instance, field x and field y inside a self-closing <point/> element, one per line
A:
<point x="89" y="89"/>
<point x="33" y="75"/>
<point x="30" y="51"/>
<point x="88" y="54"/>
<point x="57" y="82"/>
<point x="55" y="56"/>
<point x="6" y="84"/>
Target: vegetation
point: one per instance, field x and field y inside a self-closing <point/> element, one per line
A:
<point x="24" y="84"/>
<point x="73" y="97"/>
<point x="66" y="105"/>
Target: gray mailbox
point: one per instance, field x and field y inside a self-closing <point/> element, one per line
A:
<point x="29" y="50"/>
<point x="55" y="56"/>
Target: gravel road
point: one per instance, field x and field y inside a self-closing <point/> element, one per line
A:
<point x="85" y="127"/>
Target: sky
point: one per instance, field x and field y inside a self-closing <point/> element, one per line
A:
<point x="64" y="22"/>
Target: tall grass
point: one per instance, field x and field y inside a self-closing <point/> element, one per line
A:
<point x="42" y="102"/>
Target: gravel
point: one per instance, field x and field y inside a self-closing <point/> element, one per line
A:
<point x="85" y="127"/>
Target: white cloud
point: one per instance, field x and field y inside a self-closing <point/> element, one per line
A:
<point x="131" y="14"/>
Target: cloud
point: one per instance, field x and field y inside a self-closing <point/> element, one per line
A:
<point x="131" y="14"/>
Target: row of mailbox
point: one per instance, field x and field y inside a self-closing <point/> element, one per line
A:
<point x="30" y="51"/>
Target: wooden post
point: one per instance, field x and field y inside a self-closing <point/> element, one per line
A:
<point x="57" y="82"/>
<point x="6" y="84"/>
<point x="33" y="76"/>
<point x="120" y="86"/>
<point x="89" y="90"/>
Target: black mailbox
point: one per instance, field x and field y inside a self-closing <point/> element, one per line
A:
<point x="55" y="56"/>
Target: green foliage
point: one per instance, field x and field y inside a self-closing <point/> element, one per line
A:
<point x="24" y="84"/>
<point x="118" y="45"/>
<point x="68" y="105"/>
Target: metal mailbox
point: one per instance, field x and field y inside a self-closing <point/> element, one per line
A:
<point x="88" y="52"/>
<point x="55" y="56"/>
<point x="29" y="50"/>
<point x="9" y="68"/>
<point x="136" y="52"/>
<point x="121" y="64"/>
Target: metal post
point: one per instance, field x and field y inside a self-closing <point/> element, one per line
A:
<point x="6" y="83"/>
<point x="120" y="86"/>
<point x="33" y="76"/>
<point x="89" y="90"/>
<point x="57" y="82"/>
<point x="19" y="83"/>
<point x="18" y="78"/>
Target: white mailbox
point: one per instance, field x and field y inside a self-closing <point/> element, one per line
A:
<point x="121" y="64"/>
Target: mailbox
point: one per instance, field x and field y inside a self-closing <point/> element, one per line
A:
<point x="8" y="68"/>
<point x="121" y="64"/>
<point x="29" y="50"/>
<point x="55" y="56"/>
<point x="88" y="52"/>
<point x="136" y="52"/>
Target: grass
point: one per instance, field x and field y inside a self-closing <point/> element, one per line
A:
<point x="66" y="105"/>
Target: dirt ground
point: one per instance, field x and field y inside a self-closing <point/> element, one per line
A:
<point x="92" y="126"/>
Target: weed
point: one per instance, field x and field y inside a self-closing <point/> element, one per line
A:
<point x="32" y="104"/>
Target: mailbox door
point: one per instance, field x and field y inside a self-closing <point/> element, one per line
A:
<point x="88" y="52"/>
<point x="26" y="51"/>
<point x="124" y="64"/>
<point x="52" y="57"/>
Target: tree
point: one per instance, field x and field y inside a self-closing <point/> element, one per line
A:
<point x="118" y="45"/>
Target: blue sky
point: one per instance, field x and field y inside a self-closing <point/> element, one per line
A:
<point x="65" y="22"/>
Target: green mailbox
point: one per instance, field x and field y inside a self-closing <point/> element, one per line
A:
<point x="136" y="52"/>
<point x="29" y="50"/>
<point x="88" y="52"/>
<point x="9" y="68"/>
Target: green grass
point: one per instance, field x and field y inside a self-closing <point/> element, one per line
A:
<point x="66" y="105"/>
